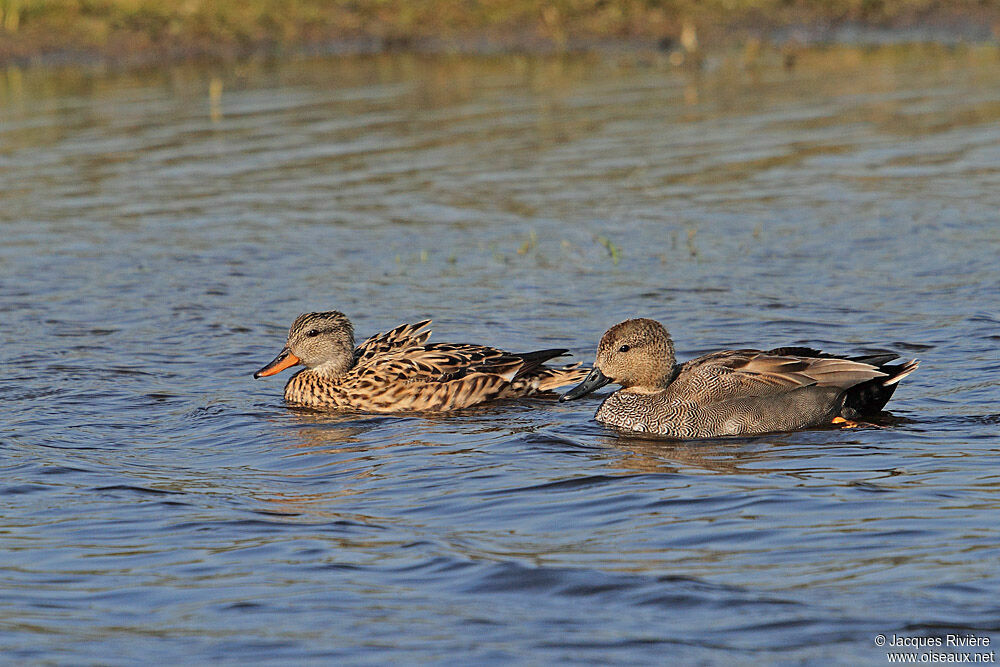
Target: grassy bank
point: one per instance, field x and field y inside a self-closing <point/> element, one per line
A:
<point x="149" y="30"/>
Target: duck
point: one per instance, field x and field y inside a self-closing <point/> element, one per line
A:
<point x="400" y="371"/>
<point x="732" y="392"/>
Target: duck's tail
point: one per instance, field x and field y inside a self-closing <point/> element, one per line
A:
<point x="550" y="379"/>
<point x="533" y="376"/>
<point x="868" y="398"/>
<point x="532" y="361"/>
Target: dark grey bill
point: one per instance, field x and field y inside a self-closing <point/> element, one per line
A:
<point x="595" y="380"/>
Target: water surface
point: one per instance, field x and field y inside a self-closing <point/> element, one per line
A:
<point x="159" y="237"/>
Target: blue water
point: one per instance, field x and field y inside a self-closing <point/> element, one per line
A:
<point x="158" y="238"/>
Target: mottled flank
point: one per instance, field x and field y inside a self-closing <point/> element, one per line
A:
<point x="732" y="392"/>
<point x="401" y="371"/>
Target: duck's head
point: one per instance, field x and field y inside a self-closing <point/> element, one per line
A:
<point x="636" y="354"/>
<point x="323" y="342"/>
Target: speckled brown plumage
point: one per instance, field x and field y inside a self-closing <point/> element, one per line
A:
<point x="732" y="392"/>
<point x="400" y="371"/>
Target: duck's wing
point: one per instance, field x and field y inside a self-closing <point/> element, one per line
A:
<point x="382" y="344"/>
<point x="742" y="373"/>
<point x="873" y="359"/>
<point x="446" y="376"/>
<point x="435" y="362"/>
<point x="439" y="376"/>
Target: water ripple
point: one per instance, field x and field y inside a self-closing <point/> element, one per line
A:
<point x="160" y="504"/>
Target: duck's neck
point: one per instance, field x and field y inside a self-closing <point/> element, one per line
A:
<point x="637" y="389"/>
<point x="662" y="384"/>
<point x="329" y="370"/>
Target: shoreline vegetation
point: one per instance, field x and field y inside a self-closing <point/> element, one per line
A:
<point x="142" y="32"/>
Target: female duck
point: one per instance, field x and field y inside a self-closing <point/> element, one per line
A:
<point x="732" y="392"/>
<point x="399" y="370"/>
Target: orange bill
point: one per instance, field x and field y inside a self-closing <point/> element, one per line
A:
<point x="285" y="359"/>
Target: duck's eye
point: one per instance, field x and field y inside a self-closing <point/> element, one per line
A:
<point x="625" y="348"/>
<point x="312" y="333"/>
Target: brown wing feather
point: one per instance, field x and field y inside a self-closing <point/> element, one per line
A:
<point x="407" y="392"/>
<point x="736" y="373"/>
<point x="400" y="370"/>
<point x="450" y="361"/>
<point x="403" y="336"/>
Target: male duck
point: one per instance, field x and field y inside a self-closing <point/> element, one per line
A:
<point x="732" y="392"/>
<point x="399" y="370"/>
